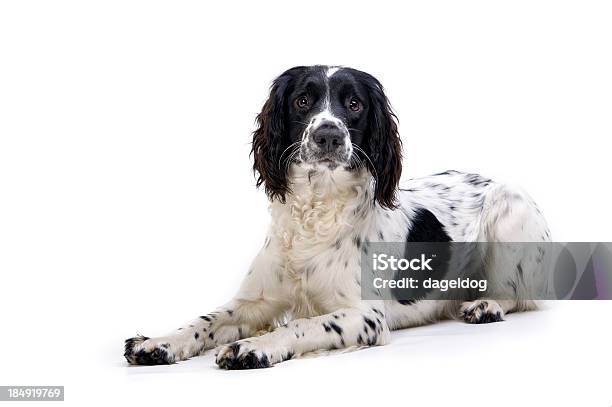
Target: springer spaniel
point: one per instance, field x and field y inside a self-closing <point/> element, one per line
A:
<point x="328" y="154"/>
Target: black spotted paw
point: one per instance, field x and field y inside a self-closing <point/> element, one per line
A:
<point x="253" y="353"/>
<point x="236" y="356"/>
<point x="481" y="312"/>
<point x="141" y="350"/>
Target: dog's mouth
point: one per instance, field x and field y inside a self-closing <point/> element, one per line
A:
<point x="326" y="161"/>
<point x="329" y="160"/>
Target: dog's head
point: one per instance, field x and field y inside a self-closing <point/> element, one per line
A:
<point x="325" y="117"/>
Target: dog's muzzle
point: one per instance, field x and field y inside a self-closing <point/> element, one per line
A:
<point x="327" y="142"/>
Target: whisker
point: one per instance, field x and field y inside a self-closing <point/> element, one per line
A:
<point x="290" y="157"/>
<point x="283" y="153"/>
<point x="355" y="161"/>
<point x="360" y="150"/>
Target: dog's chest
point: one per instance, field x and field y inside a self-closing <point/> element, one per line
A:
<point x="309" y="231"/>
<point x="317" y="252"/>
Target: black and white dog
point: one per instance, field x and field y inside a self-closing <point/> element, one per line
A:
<point x="328" y="154"/>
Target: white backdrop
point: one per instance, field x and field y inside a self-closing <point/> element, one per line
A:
<point x="127" y="203"/>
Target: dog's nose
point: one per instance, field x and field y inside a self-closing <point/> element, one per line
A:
<point x="328" y="136"/>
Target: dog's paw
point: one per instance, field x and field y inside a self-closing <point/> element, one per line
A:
<point x="481" y="312"/>
<point x="249" y="354"/>
<point x="141" y="350"/>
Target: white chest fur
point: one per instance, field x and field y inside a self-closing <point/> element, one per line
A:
<point x="314" y="231"/>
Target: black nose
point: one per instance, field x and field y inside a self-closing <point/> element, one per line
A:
<point x="328" y="136"/>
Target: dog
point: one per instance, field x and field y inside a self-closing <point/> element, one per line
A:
<point x="328" y="154"/>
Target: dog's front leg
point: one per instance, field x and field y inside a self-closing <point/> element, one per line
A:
<point x="360" y="326"/>
<point x="237" y="319"/>
<point x="255" y="307"/>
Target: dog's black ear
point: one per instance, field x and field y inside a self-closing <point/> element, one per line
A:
<point x="268" y="141"/>
<point x="385" y="146"/>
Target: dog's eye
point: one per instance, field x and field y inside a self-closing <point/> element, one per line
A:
<point x="301" y="102"/>
<point x="354" y="105"/>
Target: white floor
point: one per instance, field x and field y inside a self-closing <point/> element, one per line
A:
<point x="558" y="356"/>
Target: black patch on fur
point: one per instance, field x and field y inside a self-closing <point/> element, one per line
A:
<point x="476" y="180"/>
<point x="519" y="268"/>
<point x="426" y="228"/>
<point x="370" y="323"/>
<point x="447" y="172"/>
<point x="357" y="241"/>
<point x="335" y="327"/>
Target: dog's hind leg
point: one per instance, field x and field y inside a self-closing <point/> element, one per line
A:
<point x="517" y="237"/>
